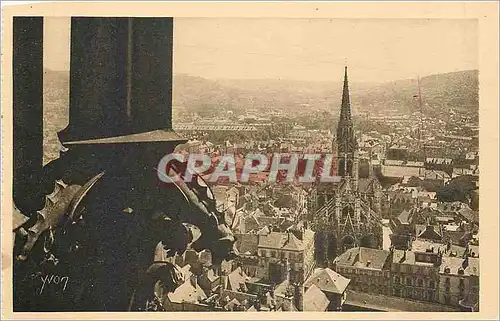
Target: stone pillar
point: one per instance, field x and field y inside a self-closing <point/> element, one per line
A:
<point x="27" y="65"/>
<point x="338" y="210"/>
<point x="120" y="77"/>
<point x="355" y="170"/>
<point x="120" y="97"/>
<point x="357" y="212"/>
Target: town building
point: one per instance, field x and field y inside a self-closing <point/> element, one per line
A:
<point x="368" y="269"/>
<point x="325" y="290"/>
<point x="459" y="282"/>
<point x="415" y="274"/>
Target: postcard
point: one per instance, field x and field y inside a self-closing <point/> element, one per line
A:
<point x="198" y="160"/>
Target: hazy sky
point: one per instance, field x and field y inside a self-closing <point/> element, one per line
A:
<point x="307" y="49"/>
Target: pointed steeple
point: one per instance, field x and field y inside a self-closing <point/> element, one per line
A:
<point x="345" y="110"/>
<point x="346" y="141"/>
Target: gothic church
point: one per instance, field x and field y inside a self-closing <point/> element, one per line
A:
<point x="347" y="212"/>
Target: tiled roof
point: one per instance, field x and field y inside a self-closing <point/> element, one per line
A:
<point x="278" y="240"/>
<point x="315" y="300"/>
<point x="469" y="214"/>
<point x="393" y="304"/>
<point x="236" y="279"/>
<point x="362" y="257"/>
<point x="404" y="217"/>
<point x="469" y="266"/>
<point x="264" y="231"/>
<point x="435" y="174"/>
<point x="430" y="232"/>
<point x="187" y="293"/>
<point x="328" y="280"/>
<point x="293" y="243"/>
<point x="231" y="304"/>
<point x="420" y="245"/>
<point x="403" y="257"/>
<point x="247" y="243"/>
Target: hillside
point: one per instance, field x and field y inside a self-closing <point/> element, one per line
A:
<point x="457" y="90"/>
<point x="441" y="92"/>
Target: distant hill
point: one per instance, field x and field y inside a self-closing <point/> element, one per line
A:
<point x="454" y="90"/>
<point x="457" y="90"/>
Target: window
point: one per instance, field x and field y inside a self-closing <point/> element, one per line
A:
<point x="396" y="279"/>
<point x="430" y="296"/>
<point x="408" y="281"/>
<point x="432" y="284"/>
<point x="420" y="282"/>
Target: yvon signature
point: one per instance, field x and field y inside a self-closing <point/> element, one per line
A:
<point x="54" y="280"/>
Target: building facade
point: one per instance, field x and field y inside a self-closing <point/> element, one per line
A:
<point x="368" y="269"/>
<point x="415" y="274"/>
<point x="459" y="282"/>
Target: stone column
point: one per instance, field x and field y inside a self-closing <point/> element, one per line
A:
<point x="120" y="77"/>
<point x="27" y="65"/>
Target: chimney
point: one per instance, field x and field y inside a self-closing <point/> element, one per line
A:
<point x="465" y="263"/>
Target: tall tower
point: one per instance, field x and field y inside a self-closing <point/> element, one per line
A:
<point x="345" y="220"/>
<point x="347" y="146"/>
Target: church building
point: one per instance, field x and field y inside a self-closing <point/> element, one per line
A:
<point x="347" y="213"/>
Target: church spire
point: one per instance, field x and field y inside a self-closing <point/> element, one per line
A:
<point x="345" y="110"/>
<point x="346" y="142"/>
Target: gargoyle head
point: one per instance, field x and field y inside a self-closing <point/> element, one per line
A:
<point x="216" y="236"/>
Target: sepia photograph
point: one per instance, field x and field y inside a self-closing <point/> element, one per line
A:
<point x="184" y="163"/>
